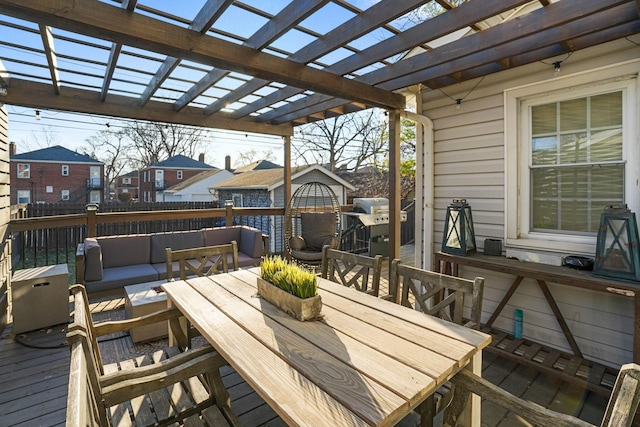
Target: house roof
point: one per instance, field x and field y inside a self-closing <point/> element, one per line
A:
<point x="257" y="165"/>
<point x="181" y="162"/>
<point x="57" y="154"/>
<point x="266" y="67"/>
<point x="192" y="180"/>
<point x="269" y="179"/>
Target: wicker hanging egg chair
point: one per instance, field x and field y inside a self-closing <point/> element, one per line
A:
<point x="312" y="219"/>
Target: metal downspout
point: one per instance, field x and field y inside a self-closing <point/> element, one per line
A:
<point x="425" y="197"/>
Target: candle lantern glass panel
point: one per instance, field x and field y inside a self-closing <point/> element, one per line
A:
<point x="459" y="236"/>
<point x="617" y="244"/>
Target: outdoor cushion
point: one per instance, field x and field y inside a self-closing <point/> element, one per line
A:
<point x="93" y="260"/>
<point x="177" y="240"/>
<point x="118" y="251"/>
<point x="221" y="235"/>
<point x="250" y="242"/>
<point x="297" y="243"/>
<point x="119" y="277"/>
<point x="317" y="228"/>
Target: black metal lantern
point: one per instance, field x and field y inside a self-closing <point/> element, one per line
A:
<point x="617" y="244"/>
<point x="459" y="237"/>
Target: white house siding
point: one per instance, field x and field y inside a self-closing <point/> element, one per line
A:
<point x="469" y="155"/>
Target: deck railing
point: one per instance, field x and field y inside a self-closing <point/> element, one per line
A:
<point x="53" y="239"/>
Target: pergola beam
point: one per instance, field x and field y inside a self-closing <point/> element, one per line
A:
<point x="274" y="28"/>
<point x="50" y="53"/>
<point x="547" y="26"/>
<point x="114" y="54"/>
<point x="380" y="13"/>
<point x="439" y="26"/>
<point x="97" y="19"/>
<point x="39" y="95"/>
<point x="205" y="18"/>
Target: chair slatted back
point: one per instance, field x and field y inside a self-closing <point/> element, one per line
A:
<point x="625" y="397"/>
<point x="352" y="270"/>
<point x="203" y="261"/>
<point x="437" y="294"/>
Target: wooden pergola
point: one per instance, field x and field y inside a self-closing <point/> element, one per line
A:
<point x="288" y="71"/>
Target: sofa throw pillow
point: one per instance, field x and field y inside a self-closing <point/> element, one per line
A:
<point x="317" y="228"/>
<point x="92" y="260"/>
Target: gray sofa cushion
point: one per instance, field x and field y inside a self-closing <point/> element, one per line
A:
<point x="176" y="241"/>
<point x="118" y="277"/>
<point x="251" y="242"/>
<point x="317" y="229"/>
<point x="221" y="235"/>
<point x="93" y="260"/>
<point x="119" y="251"/>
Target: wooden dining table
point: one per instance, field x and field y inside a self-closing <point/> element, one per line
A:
<point x="365" y="362"/>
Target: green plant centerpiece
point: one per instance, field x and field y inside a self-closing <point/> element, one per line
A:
<point x="290" y="287"/>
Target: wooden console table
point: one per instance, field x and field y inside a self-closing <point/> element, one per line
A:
<point x="543" y="273"/>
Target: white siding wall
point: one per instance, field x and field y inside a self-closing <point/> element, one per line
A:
<point x="470" y="163"/>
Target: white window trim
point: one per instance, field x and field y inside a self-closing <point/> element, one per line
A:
<point x="179" y="174"/>
<point x="18" y="170"/>
<point x="237" y="196"/>
<point x="65" y="195"/>
<point x="65" y="170"/>
<point x="622" y="76"/>
<point x="18" y="197"/>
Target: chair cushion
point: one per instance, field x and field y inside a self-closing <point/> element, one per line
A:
<point x="93" y="260"/>
<point x="119" y="277"/>
<point x="250" y="242"/>
<point x="317" y="228"/>
<point x="297" y="243"/>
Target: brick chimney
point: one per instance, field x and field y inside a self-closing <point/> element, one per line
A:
<point x="227" y="162"/>
<point x="12" y="148"/>
<point x="201" y="158"/>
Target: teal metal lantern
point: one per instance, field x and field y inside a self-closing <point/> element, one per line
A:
<point x="617" y="244"/>
<point x="459" y="237"/>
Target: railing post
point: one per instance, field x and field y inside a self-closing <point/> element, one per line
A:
<point x="228" y="204"/>
<point x="92" y="222"/>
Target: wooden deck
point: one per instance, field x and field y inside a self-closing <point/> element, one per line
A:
<point x="33" y="379"/>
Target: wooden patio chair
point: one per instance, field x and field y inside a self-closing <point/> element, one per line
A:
<point x="442" y="296"/>
<point x="202" y="261"/>
<point x="167" y="387"/>
<point x="352" y="270"/>
<point x="620" y="411"/>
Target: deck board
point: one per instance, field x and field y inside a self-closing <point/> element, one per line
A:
<point x="33" y="382"/>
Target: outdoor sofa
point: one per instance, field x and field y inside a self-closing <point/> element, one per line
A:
<point x="107" y="264"/>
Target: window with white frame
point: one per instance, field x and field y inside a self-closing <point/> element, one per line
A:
<point x="94" y="196"/>
<point x="573" y="153"/>
<point x="237" y="200"/>
<point x="65" y="170"/>
<point x="24" y="196"/>
<point x="126" y="180"/>
<point x="179" y="174"/>
<point x="65" y="195"/>
<point x="24" y="170"/>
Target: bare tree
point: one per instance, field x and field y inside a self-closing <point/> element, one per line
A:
<point x="153" y="142"/>
<point x="112" y="148"/>
<point x="253" y="155"/>
<point x="344" y="143"/>
<point x="46" y="137"/>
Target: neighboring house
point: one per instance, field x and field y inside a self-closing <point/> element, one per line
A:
<point x="265" y="188"/>
<point x="55" y="174"/>
<point x="160" y="176"/>
<point x="538" y="154"/>
<point x="198" y="188"/>
<point x="256" y="166"/>
<point x="128" y="183"/>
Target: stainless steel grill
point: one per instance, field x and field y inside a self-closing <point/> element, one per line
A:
<point x="373" y="212"/>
